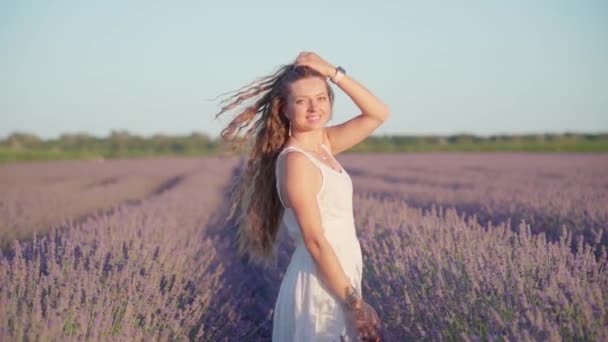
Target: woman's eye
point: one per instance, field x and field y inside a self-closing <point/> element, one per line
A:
<point x="299" y="101"/>
<point x="322" y="98"/>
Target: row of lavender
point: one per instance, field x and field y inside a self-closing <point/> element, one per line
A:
<point x="40" y="194"/>
<point x="167" y="268"/>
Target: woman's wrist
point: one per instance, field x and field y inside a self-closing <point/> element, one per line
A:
<point x="352" y="300"/>
<point x="330" y="71"/>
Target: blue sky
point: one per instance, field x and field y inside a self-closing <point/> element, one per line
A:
<point x="443" y="67"/>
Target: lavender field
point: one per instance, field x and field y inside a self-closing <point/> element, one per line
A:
<point x="472" y="246"/>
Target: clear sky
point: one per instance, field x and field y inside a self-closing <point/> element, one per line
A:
<point x="443" y="67"/>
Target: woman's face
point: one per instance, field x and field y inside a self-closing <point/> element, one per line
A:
<point x="308" y="104"/>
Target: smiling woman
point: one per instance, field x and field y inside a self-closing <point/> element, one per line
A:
<point x="309" y="192"/>
<point x="307" y="109"/>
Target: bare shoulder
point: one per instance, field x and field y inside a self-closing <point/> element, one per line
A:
<point x="302" y="183"/>
<point x="301" y="178"/>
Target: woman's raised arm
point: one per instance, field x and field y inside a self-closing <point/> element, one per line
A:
<point x="373" y="111"/>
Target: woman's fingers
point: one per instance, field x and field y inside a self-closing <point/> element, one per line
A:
<point x="374" y="318"/>
<point x="367" y="322"/>
<point x="314" y="61"/>
<point x="371" y="330"/>
<point x="302" y="57"/>
<point x="376" y="321"/>
<point x="367" y="331"/>
<point x="365" y="334"/>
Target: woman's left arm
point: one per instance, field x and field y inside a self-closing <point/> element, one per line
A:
<point x="373" y="112"/>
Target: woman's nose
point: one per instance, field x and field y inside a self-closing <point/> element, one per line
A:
<point x="312" y="106"/>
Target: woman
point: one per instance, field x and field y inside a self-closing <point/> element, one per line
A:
<point x="320" y="295"/>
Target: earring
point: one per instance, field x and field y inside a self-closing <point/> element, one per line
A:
<point x="289" y="128"/>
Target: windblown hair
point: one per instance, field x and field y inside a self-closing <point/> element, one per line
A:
<point x="255" y="204"/>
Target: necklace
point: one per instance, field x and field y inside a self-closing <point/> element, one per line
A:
<point x="323" y="156"/>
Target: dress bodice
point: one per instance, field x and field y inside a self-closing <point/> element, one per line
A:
<point x="335" y="200"/>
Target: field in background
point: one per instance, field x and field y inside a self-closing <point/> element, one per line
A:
<point x="455" y="246"/>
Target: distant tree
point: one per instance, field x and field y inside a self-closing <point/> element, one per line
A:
<point x="20" y="140"/>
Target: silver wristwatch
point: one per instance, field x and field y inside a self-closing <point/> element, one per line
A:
<point x="340" y="72"/>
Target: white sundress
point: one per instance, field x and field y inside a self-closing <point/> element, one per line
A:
<point x="306" y="309"/>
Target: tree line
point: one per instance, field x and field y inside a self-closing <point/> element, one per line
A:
<point x="123" y="144"/>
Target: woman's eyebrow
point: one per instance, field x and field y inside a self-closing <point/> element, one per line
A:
<point x="323" y="93"/>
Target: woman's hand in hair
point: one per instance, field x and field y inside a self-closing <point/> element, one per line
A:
<point x="314" y="61"/>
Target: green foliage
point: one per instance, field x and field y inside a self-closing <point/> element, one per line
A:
<point x="567" y="142"/>
<point x="122" y="144"/>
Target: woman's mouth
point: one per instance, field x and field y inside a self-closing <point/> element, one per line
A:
<point x="313" y="118"/>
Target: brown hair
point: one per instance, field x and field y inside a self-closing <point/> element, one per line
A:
<point x="259" y="220"/>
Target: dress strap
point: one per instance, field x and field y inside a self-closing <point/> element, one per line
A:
<point x="276" y="168"/>
<point x="295" y="148"/>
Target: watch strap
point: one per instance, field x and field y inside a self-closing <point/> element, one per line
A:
<point x="340" y="72"/>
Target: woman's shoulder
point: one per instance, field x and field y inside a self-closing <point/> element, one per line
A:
<point x="299" y="173"/>
<point x="296" y="161"/>
<point x="299" y="164"/>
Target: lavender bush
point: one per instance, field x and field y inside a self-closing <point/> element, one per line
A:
<point x="437" y="275"/>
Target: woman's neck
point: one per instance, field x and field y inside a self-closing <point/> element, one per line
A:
<point x="310" y="140"/>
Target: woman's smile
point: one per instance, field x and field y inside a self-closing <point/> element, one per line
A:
<point x="313" y="118"/>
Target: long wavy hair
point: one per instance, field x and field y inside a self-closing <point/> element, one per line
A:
<point x="266" y="130"/>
